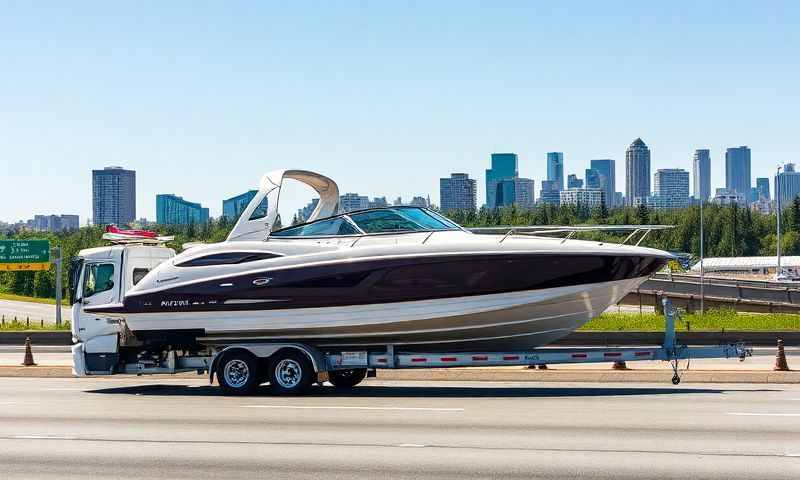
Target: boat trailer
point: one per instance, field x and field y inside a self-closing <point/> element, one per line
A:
<point x="324" y="363"/>
<point x="670" y="351"/>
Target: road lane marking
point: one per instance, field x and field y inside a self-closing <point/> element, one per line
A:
<point x="42" y="437"/>
<point x="343" y="407"/>
<point x="748" y="414"/>
<point x="411" y="445"/>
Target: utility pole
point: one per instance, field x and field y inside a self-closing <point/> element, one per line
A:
<point x="702" y="255"/>
<point x="56" y="254"/>
<point x="778" y="208"/>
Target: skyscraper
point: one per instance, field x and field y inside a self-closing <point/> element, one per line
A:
<point x="586" y="197"/>
<point x="671" y="188"/>
<point x="555" y="168"/>
<point x="549" y="193"/>
<point x="737" y="170"/>
<point x="787" y="185"/>
<point x="113" y="196"/>
<point x="762" y="187"/>
<point x="234" y="206"/>
<point x="353" y="201"/>
<point x="701" y="171"/>
<point x="504" y="166"/>
<point x="514" y="191"/>
<point x="592" y="178"/>
<point x="459" y="192"/>
<point x="174" y="210"/>
<point x="607" y="171"/>
<point x="637" y="173"/>
<point x="523" y="192"/>
<point x="573" y="181"/>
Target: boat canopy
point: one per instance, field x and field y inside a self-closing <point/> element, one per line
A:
<point x="257" y="220"/>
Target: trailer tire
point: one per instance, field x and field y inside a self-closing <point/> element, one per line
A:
<point x="347" y="378"/>
<point x="238" y="373"/>
<point x="290" y="372"/>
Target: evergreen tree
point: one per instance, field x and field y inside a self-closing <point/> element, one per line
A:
<point x="795" y="217"/>
<point x="643" y="214"/>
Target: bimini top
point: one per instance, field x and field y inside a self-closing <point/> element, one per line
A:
<point x="258" y="218"/>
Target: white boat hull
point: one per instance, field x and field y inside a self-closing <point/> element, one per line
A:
<point x="516" y="320"/>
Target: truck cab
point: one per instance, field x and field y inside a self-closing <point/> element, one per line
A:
<point x="101" y="276"/>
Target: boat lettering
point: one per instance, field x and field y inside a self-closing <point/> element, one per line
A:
<point x="175" y="303"/>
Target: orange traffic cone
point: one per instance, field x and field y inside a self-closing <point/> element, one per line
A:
<point x="619" y="366"/>
<point x="780" y="359"/>
<point x="28" y="354"/>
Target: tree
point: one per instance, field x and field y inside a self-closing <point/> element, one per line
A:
<point x="643" y="214"/>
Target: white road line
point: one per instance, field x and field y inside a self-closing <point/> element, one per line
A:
<point x="411" y="445"/>
<point x="335" y="407"/>
<point x="64" y="389"/>
<point x="748" y="414"/>
<point x="792" y="455"/>
<point x="42" y="437"/>
<point x="8" y="403"/>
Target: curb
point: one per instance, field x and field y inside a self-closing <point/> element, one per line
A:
<point x="509" y="375"/>
<point x="593" y="376"/>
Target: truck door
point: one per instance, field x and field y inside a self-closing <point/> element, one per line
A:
<point x="97" y="284"/>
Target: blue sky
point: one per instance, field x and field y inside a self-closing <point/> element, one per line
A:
<point x="385" y="97"/>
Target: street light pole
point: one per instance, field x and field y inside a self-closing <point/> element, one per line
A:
<point x="702" y="255"/>
<point x="778" y="208"/>
<point x="56" y="253"/>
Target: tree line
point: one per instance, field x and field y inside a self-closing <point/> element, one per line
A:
<point x="730" y="231"/>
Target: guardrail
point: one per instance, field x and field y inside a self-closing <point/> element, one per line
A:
<point x="749" y="296"/>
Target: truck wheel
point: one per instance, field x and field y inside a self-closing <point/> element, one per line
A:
<point x="238" y="373"/>
<point x="290" y="372"/>
<point x="347" y="378"/>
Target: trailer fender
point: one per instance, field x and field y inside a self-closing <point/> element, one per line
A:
<point x="264" y="350"/>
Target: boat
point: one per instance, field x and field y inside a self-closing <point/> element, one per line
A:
<point x="402" y="276"/>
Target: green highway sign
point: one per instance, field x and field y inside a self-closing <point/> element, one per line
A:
<point x="24" y="251"/>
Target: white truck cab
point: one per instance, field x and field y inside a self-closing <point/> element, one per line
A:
<point x="99" y="276"/>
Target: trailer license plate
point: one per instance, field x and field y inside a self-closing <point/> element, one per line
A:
<point x="354" y="358"/>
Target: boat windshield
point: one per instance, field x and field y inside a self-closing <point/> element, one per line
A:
<point x="382" y="220"/>
<point x="398" y="220"/>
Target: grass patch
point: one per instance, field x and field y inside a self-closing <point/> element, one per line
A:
<point x="22" y="298"/>
<point x="22" y="326"/>
<point x="712" y="321"/>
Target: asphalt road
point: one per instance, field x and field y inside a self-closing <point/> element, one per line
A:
<point x="35" y="311"/>
<point x="182" y="428"/>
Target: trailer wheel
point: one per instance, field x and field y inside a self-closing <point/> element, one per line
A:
<point x="347" y="378"/>
<point x="238" y="373"/>
<point x="290" y="372"/>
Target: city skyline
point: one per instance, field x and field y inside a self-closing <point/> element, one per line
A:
<point x="594" y="177"/>
<point x="205" y="114"/>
